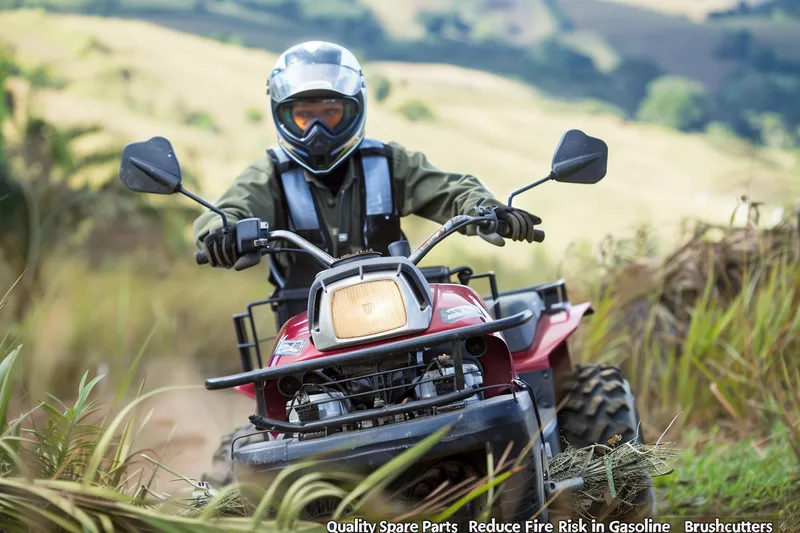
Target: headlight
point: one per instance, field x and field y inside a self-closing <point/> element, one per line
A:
<point x="367" y="309"/>
<point x="361" y="303"/>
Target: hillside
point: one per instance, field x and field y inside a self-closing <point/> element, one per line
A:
<point x="140" y="80"/>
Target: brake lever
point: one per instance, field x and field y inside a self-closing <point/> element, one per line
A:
<point x="488" y="230"/>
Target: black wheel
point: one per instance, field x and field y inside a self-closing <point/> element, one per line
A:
<point x="221" y="473"/>
<point x="597" y="404"/>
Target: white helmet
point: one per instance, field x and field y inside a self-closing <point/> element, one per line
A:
<point x="318" y="99"/>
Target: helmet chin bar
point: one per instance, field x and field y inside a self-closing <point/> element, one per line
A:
<point x="306" y="159"/>
<point x="318" y="138"/>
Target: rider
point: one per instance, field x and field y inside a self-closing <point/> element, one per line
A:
<point x="329" y="184"/>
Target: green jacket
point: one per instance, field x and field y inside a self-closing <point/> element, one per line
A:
<point x="421" y="189"/>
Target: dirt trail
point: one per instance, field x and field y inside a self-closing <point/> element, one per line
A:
<point x="200" y="417"/>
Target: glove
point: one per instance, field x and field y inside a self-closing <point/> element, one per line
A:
<point x="221" y="248"/>
<point x="514" y="224"/>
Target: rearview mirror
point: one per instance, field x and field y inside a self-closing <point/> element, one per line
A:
<point x="580" y="159"/>
<point x="150" y="166"/>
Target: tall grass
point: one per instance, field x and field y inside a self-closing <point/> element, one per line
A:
<point x="75" y="468"/>
<point x="712" y="331"/>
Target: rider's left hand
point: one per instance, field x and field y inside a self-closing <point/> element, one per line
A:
<point x="513" y="223"/>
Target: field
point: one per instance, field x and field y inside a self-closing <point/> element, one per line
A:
<point x="137" y="80"/>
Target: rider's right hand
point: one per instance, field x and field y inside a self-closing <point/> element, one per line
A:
<point x="220" y="248"/>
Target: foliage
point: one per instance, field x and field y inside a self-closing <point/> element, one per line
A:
<point x="228" y="38"/>
<point x="773" y="8"/>
<point x="51" y="195"/>
<point x="201" y="120"/>
<point x="751" y="479"/>
<point x="415" y="110"/>
<point x="629" y="83"/>
<point x="74" y="474"/>
<point x="714" y="326"/>
<point x="254" y="115"/>
<point x="382" y="88"/>
<point x="675" y="102"/>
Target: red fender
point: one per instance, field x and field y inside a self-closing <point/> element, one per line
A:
<point x="248" y="389"/>
<point x="551" y="332"/>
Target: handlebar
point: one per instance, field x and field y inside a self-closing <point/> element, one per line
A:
<point x="486" y="220"/>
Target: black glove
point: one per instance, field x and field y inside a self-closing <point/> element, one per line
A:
<point x="514" y="224"/>
<point x="221" y="248"/>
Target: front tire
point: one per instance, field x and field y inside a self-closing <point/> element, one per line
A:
<point x="221" y="473"/>
<point x="597" y="404"/>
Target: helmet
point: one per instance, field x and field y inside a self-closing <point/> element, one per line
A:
<point x="318" y="100"/>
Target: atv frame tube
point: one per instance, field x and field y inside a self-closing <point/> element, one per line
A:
<point x="261" y="422"/>
<point x="408" y="345"/>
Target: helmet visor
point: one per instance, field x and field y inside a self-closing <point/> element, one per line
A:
<point x="336" y="113"/>
<point x="300" y="78"/>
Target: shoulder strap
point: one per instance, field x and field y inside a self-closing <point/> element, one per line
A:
<point x="377" y="178"/>
<point x="302" y="211"/>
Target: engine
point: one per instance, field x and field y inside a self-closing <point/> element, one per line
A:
<point x="392" y="380"/>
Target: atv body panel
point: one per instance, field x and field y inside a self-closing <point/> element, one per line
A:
<point x="454" y="307"/>
<point x="539" y="347"/>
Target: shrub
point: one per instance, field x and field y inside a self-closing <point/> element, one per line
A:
<point x="202" y="120"/>
<point x="772" y="130"/>
<point x="254" y="115"/>
<point x="383" y="88"/>
<point x="415" y="110"/>
<point x="676" y="102"/>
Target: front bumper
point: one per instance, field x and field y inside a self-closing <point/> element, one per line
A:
<point x="496" y="421"/>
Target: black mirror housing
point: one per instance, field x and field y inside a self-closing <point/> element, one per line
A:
<point x="580" y="159"/>
<point x="151" y="167"/>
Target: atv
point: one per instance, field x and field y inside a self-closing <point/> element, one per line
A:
<point x="388" y="352"/>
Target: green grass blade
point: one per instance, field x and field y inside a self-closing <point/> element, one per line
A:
<point x="7" y="367"/>
<point x="102" y="446"/>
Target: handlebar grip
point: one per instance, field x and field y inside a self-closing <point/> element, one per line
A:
<point x="538" y="235"/>
<point x="201" y="257"/>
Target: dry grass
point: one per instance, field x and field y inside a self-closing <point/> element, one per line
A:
<point x="496" y="129"/>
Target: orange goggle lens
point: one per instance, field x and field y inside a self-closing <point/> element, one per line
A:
<point x="331" y="112"/>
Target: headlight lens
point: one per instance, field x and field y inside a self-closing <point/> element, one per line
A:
<point x="367" y="309"/>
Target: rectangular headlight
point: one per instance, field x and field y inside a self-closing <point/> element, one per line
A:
<point x="367" y="309"/>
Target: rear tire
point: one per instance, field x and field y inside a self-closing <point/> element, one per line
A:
<point x="597" y="405"/>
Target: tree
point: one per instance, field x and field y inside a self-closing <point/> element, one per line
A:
<point x="629" y="83"/>
<point x="677" y="102"/>
<point x="46" y="204"/>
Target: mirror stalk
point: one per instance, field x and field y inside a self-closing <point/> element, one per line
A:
<point x="549" y="177"/>
<point x="210" y="207"/>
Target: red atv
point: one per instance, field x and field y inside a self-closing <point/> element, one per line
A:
<point x="388" y="352"/>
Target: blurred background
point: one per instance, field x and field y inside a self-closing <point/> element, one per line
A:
<point x="687" y="247"/>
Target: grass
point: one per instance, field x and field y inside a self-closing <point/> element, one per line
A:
<point x="479" y="120"/>
<point x="722" y="358"/>
<point x="72" y="468"/>
<point x="751" y="479"/>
